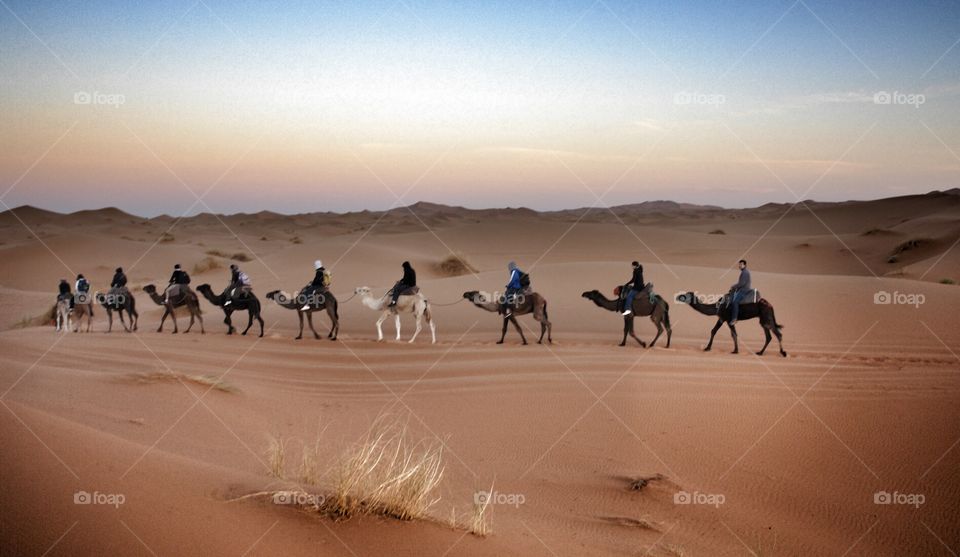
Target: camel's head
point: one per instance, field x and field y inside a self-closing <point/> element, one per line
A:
<point x="472" y="295"/>
<point x="150" y="289"/>
<point x="686" y="297"/>
<point x="363" y="291"/>
<point x="204" y="288"/>
<point x="272" y="294"/>
<point x="591" y="294"/>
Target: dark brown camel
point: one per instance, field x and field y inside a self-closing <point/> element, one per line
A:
<point x="314" y="302"/>
<point x="761" y="309"/>
<point x="119" y="301"/>
<point x="529" y="303"/>
<point x="186" y="297"/>
<point x="659" y="313"/>
<point x="250" y="304"/>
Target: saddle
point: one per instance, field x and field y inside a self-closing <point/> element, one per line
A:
<point x="751" y="296"/>
<point x="408" y="291"/>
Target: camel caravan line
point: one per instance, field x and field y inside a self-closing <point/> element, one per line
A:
<point x="633" y="299"/>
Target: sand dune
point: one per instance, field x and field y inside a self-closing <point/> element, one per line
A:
<point x="779" y="456"/>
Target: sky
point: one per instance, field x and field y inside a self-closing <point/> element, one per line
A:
<point x="207" y="105"/>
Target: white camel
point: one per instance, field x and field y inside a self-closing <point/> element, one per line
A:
<point x="416" y="304"/>
<point x="64" y="315"/>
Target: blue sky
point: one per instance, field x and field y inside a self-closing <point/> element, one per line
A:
<point x="545" y="104"/>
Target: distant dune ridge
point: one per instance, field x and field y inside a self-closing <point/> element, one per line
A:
<point x="577" y="448"/>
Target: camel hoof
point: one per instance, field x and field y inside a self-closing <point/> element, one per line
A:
<point x="499" y="342"/>
<point x="784" y="354"/>
<point x="707" y="349"/>
<point x="735" y="352"/>
<point x="622" y="344"/>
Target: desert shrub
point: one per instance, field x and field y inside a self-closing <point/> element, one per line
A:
<point x="454" y="265"/>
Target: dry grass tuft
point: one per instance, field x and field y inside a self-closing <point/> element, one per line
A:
<point x="277" y="456"/>
<point x="478" y="523"/>
<point x="166" y="237"/>
<point x="454" y="265"/>
<point x="206" y="264"/>
<point x="241" y="257"/>
<point x="947" y="281"/>
<point x="48" y="318"/>
<point x="387" y="474"/>
<point x="718" y="231"/>
<point x="642" y="482"/>
<point x="217" y="253"/>
<point x="168" y="377"/>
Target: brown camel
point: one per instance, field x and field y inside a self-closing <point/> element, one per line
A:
<point x="82" y="307"/>
<point x="659" y="313"/>
<point x="186" y="297"/>
<point x="761" y="309"/>
<point x="119" y="300"/>
<point x="313" y="302"/>
<point x="527" y="303"/>
<point x="250" y="304"/>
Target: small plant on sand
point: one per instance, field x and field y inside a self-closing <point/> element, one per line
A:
<point x="277" y="456"/>
<point x="478" y="523"/>
<point x="168" y="377"/>
<point x="296" y="240"/>
<point x="241" y="257"/>
<point x="454" y="265"/>
<point x="947" y="281"/>
<point x="206" y="264"/>
<point x="717" y="231"/>
<point x="216" y="253"/>
<point x="166" y="237"/>
<point x="387" y="474"/>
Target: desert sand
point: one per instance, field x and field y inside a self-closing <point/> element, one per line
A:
<point x="775" y="456"/>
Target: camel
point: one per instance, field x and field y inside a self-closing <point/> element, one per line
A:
<point x="530" y="303"/>
<point x="119" y="301"/>
<point x="82" y="307"/>
<point x="416" y="304"/>
<point x="319" y="302"/>
<point x="761" y="309"/>
<point x="250" y="304"/>
<point x="186" y="297"/>
<point x="659" y="313"/>
<point x="64" y="314"/>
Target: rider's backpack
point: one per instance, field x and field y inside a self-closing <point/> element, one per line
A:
<point x="524" y="280"/>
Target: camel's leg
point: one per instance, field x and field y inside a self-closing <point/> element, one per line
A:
<point x="433" y="328"/>
<point x="260" y="320"/>
<point x="418" y="328"/>
<point x="192" y="321"/>
<point x="249" y="322"/>
<point x="300" y="316"/>
<point x="516" y="325"/>
<point x="397" y="320"/>
<point x="768" y="338"/>
<point x="736" y="341"/>
<point x="503" y="333"/>
<point x="134" y="319"/>
<point x="227" y="321"/>
<point x="110" y="321"/>
<point x="777" y="332"/>
<point x="713" y="333"/>
<point x="380" y="321"/>
<point x="310" y="322"/>
<point x="543" y="331"/>
<point x="334" y="323"/>
<point x="632" y="333"/>
<point x="200" y="319"/>
<point x="659" y="330"/>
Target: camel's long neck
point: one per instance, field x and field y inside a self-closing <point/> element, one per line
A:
<point x="373" y="303"/>
<point x="215" y="299"/>
<point x="156" y="297"/>
<point x="603" y="302"/>
<point x="488" y="306"/>
<point x="706" y="309"/>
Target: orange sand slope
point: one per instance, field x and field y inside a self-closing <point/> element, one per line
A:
<point x="847" y="446"/>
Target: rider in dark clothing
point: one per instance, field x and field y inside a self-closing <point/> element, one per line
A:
<point x="83" y="285"/>
<point x="635" y="285"/>
<point x="179" y="276"/>
<point x="408" y="281"/>
<point x="738" y="290"/>
<point x="119" y="279"/>
<point x="64" y="292"/>
<point x="319" y="277"/>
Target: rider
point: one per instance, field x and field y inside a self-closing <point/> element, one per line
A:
<point x="83" y="288"/>
<point x="178" y="278"/>
<point x="65" y="293"/>
<point x="408" y="281"/>
<point x="119" y="279"/>
<point x="635" y="285"/>
<point x="514" y="286"/>
<point x="240" y="286"/>
<point x="738" y="290"/>
<point x="320" y="282"/>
